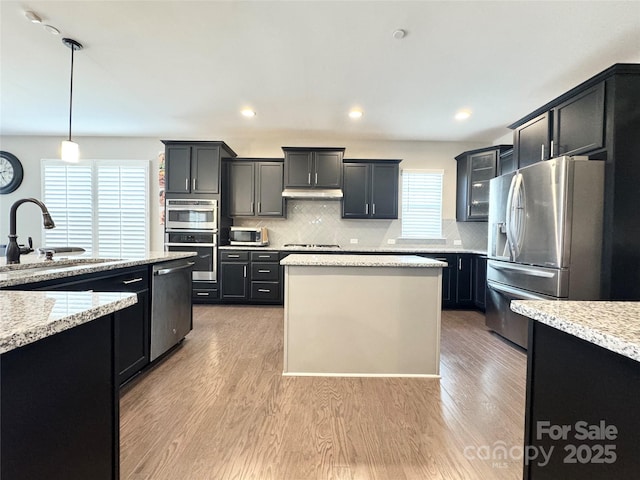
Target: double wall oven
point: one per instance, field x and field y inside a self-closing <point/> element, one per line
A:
<point x="191" y="225"/>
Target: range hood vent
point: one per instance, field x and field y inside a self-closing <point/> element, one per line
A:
<point x="311" y="193"/>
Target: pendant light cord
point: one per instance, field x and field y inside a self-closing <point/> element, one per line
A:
<point x="71" y="92"/>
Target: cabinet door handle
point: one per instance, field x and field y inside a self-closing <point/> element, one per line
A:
<point x="264" y="290"/>
<point x="186" y="184"/>
<point x="264" y="271"/>
<point x="459" y="264"/>
<point x="309" y="179"/>
<point x="542" y="152"/>
<point x="252" y="211"/>
<point x="194" y="183"/>
<point x="245" y="271"/>
<point x="469" y="210"/>
<point x="552" y="149"/>
<point x="366" y="209"/>
<point x="231" y="255"/>
<point x="259" y="207"/>
<point x="133" y="280"/>
<point x="316" y="182"/>
<point x="373" y="208"/>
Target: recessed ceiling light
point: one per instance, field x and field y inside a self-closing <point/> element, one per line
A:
<point x="247" y="112"/>
<point x="34" y="18"/>
<point x="462" y="115"/>
<point x="355" y="114"/>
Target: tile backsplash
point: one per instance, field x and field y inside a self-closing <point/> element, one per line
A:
<point x="319" y="221"/>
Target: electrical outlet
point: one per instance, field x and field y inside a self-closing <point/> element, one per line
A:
<point x="391" y="241"/>
<point x="353" y="240"/>
<point x="457" y="242"/>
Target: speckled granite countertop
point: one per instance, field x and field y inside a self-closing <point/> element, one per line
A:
<point x="611" y="325"/>
<point x="26" y="317"/>
<point x="329" y="260"/>
<point x="361" y="249"/>
<point x="24" y="272"/>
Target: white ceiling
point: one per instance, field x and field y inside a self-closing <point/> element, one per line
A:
<point x="184" y="69"/>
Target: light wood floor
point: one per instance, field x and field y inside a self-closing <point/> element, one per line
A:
<point x="218" y="408"/>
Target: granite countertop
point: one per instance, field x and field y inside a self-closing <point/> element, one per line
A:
<point x="36" y="269"/>
<point x="26" y="317"/>
<point x="363" y="249"/>
<point x="329" y="260"/>
<point x="611" y="325"/>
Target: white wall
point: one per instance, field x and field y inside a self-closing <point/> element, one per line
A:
<point x="30" y="150"/>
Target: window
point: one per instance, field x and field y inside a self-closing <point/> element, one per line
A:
<point x="100" y="205"/>
<point x="422" y="203"/>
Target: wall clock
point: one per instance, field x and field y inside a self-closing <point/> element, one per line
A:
<point x="10" y="172"/>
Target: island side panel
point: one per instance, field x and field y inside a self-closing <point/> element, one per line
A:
<point x="362" y="320"/>
<point x="60" y="407"/>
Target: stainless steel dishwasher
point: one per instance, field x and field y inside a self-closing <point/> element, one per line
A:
<point x="171" y="312"/>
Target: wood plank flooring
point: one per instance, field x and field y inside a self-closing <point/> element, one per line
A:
<point x="219" y="408"/>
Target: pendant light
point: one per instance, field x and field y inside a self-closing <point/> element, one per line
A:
<point x="69" y="150"/>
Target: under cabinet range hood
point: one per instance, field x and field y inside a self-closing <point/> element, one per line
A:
<point x="313" y="193"/>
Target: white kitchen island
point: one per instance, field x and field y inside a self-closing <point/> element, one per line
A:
<point x="362" y="315"/>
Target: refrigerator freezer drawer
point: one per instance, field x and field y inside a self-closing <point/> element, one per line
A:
<point x="546" y="281"/>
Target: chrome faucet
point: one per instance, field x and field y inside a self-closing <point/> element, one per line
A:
<point x="13" y="250"/>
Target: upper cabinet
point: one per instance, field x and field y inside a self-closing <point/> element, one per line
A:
<point x="475" y="169"/>
<point x="194" y="167"/>
<point x="370" y="189"/>
<point x="313" y="167"/>
<point x="255" y="187"/>
<point x="572" y="126"/>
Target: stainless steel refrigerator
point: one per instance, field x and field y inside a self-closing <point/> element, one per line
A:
<point x="545" y="238"/>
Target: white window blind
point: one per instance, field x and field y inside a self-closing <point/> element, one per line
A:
<point x="422" y="203"/>
<point x="99" y="205"/>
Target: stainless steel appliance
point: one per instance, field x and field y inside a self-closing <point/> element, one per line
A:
<point x="171" y="312"/>
<point x="545" y="238"/>
<point x="205" y="244"/>
<point x="191" y="215"/>
<point x="257" y="237"/>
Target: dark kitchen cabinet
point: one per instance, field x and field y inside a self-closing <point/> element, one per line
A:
<point x="506" y="163"/>
<point x="313" y="167"/>
<point x="255" y="188"/>
<point x="251" y="276"/>
<point x="578" y="123"/>
<point x="370" y="189"/>
<point x="572" y="127"/>
<point x="475" y="168"/>
<point x="194" y="167"/>
<point x="234" y="275"/>
<point x="457" y="279"/>
<point x="480" y="281"/>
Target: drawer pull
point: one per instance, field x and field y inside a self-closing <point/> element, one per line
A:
<point x="264" y="290"/>
<point x="202" y="294"/>
<point x="133" y="280"/>
<point x="233" y="256"/>
<point x="264" y="256"/>
<point x="264" y="271"/>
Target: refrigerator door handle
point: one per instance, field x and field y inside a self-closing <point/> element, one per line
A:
<point x="515" y="292"/>
<point x="508" y="218"/>
<point x="528" y="270"/>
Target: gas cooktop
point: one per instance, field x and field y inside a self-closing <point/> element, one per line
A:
<point x="311" y="245"/>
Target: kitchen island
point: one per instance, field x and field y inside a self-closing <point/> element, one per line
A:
<point x="583" y="386"/>
<point x="362" y="315"/>
<point x="65" y="349"/>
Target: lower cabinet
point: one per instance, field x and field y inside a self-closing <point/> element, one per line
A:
<point x="251" y="276"/>
<point x="480" y="282"/>
<point x="131" y="325"/>
<point x="457" y="279"/>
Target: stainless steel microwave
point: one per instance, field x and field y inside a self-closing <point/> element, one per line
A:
<point x="191" y="215"/>
<point x="258" y="237"/>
